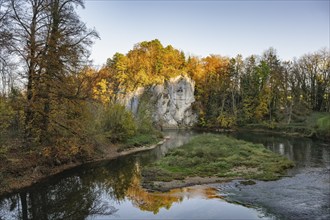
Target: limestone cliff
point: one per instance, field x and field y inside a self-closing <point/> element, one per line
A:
<point x="171" y="103"/>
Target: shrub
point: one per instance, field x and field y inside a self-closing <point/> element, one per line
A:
<point x="226" y="121"/>
<point x="323" y="126"/>
<point x="117" y="123"/>
<point x="6" y="115"/>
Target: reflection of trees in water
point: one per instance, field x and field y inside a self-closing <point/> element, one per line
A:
<point x="154" y="201"/>
<point x="89" y="191"/>
<point x="68" y="199"/>
<point x="74" y="197"/>
<point x="148" y="201"/>
<point x="176" y="139"/>
<point x="116" y="177"/>
<point x="304" y="151"/>
<point x="121" y="179"/>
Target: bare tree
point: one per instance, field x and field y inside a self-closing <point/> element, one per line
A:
<point x="5" y="42"/>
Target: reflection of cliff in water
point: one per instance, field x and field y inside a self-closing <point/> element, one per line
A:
<point x="87" y="191"/>
<point x="100" y="188"/>
<point x="154" y="201"/>
<point x="147" y="201"/>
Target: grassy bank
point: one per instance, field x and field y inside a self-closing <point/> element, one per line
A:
<point x="220" y="156"/>
<point x="140" y="140"/>
<point x="20" y="169"/>
<point x="315" y="125"/>
<point x="323" y="126"/>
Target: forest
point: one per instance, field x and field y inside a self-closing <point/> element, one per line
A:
<point x="55" y="107"/>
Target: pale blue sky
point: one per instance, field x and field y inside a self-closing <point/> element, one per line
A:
<point x="201" y="28"/>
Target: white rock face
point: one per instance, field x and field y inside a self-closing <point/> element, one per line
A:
<point x="131" y="100"/>
<point x="174" y="103"/>
<point x="171" y="102"/>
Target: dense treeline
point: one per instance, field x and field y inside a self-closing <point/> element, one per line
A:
<point x="54" y="102"/>
<point x="229" y="91"/>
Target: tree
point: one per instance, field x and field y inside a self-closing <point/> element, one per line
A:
<point x="213" y="92"/>
<point x="315" y="72"/>
<point x="53" y="43"/>
<point x="275" y="83"/>
<point x="249" y="90"/>
<point x="6" y="74"/>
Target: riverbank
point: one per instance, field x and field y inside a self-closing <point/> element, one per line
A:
<point x="211" y="158"/>
<point x="165" y="186"/>
<point x="314" y="126"/>
<point x="22" y="171"/>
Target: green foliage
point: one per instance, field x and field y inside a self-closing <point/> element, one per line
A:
<point x="144" y="115"/>
<point x="6" y="115"/>
<point x="148" y="63"/>
<point x="139" y="140"/>
<point x="117" y="123"/>
<point x="146" y="133"/>
<point x="230" y="91"/>
<point x="323" y="126"/>
<point x="3" y="152"/>
<point x="226" y="121"/>
<point x="11" y="114"/>
<point x="217" y="155"/>
<point x="56" y="112"/>
<point x="324" y="123"/>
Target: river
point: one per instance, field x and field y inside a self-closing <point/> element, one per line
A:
<point x="112" y="190"/>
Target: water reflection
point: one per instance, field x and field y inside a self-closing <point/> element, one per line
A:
<point x="304" y="152"/>
<point x="71" y="198"/>
<point x="112" y="189"/>
<point x="90" y="192"/>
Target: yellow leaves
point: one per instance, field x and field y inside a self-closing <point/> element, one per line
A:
<point x="226" y="121"/>
<point x="6" y="114"/>
<point x="261" y="110"/>
<point x="194" y="68"/>
<point x="46" y="152"/>
<point x="102" y="92"/>
<point x="103" y="84"/>
<point x="73" y="149"/>
<point x="62" y="150"/>
<point x="264" y="100"/>
<point x="216" y="65"/>
<point x="146" y="64"/>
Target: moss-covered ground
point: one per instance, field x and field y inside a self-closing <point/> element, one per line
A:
<point x="211" y="155"/>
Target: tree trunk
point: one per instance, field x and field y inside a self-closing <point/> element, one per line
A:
<point x="24" y="206"/>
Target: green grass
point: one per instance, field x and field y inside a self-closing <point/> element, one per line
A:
<point x="140" y="140"/>
<point x="316" y="124"/>
<point x="323" y="126"/>
<point x="217" y="155"/>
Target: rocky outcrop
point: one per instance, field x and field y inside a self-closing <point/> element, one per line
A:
<point x="171" y="103"/>
<point x="174" y="103"/>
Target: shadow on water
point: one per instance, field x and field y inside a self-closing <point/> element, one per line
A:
<point x="112" y="189"/>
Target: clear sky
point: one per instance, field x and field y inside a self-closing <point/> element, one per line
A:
<point x="201" y="28"/>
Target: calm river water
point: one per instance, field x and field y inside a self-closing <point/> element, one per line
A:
<point x="111" y="190"/>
